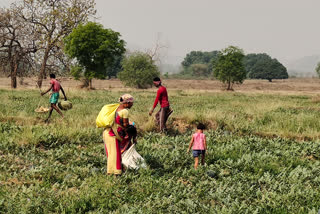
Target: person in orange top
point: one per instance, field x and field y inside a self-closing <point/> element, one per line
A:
<point x="165" y="111"/>
<point x="55" y="86"/>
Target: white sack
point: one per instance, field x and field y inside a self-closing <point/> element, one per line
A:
<point x="132" y="159"/>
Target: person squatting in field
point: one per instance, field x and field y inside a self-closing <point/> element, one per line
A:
<point x="118" y="138"/>
<point x="165" y="111"/>
<point x="55" y="87"/>
<point x="198" y="141"/>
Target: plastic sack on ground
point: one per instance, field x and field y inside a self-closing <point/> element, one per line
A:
<point x="132" y="159"/>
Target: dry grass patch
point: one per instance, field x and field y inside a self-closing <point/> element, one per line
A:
<point x="315" y="99"/>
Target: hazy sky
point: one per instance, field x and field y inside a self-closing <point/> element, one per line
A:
<point x="285" y="29"/>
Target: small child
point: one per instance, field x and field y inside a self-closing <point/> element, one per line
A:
<point x="199" y="145"/>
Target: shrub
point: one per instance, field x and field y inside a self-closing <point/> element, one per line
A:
<point x="138" y="71"/>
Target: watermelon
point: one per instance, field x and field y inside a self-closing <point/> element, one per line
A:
<point x="65" y="105"/>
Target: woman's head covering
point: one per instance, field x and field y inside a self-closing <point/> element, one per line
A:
<point x="126" y="98"/>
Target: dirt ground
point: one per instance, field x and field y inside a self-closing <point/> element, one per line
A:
<point x="289" y="86"/>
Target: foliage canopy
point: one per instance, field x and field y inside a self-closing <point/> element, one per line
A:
<point x="96" y="50"/>
<point x="201" y="60"/>
<point x="198" y="57"/>
<point x="262" y="66"/>
<point x="229" y="67"/>
<point x="138" y="70"/>
<point x="200" y="69"/>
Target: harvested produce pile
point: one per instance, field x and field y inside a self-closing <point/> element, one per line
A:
<point x="41" y="109"/>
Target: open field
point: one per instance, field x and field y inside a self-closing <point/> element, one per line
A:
<point x="263" y="114"/>
<point x="289" y="86"/>
<point x="263" y="152"/>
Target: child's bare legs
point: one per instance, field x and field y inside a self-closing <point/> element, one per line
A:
<point x="202" y="158"/>
<point x="196" y="162"/>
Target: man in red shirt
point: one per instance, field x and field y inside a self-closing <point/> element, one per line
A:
<point x="165" y="110"/>
<point x="55" y="87"/>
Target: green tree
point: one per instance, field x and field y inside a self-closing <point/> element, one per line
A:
<point x="213" y="61"/>
<point x="229" y="67"/>
<point x="262" y="66"/>
<point x="198" y="57"/>
<point x="138" y="70"/>
<point x="96" y="50"/>
<point x="115" y="67"/>
<point x="318" y="69"/>
<point x="200" y="70"/>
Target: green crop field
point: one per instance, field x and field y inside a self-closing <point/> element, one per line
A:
<point x="263" y="155"/>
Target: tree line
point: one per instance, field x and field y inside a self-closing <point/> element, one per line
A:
<point x="38" y="37"/>
<point x="256" y="66"/>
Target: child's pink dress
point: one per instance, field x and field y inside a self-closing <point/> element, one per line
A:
<point x="198" y="144"/>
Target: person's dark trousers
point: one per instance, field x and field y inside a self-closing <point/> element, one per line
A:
<point x="162" y="117"/>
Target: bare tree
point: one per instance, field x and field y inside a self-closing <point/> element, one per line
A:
<point x="156" y="52"/>
<point x="54" y="19"/>
<point x="16" y="42"/>
<point x="58" y="62"/>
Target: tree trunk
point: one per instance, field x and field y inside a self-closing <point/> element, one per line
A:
<point x="85" y="83"/>
<point x="90" y="84"/>
<point x="14" y="75"/>
<point x="229" y="86"/>
<point x="43" y="67"/>
<point x="13" y="81"/>
<point x="13" y="71"/>
<point x="270" y="80"/>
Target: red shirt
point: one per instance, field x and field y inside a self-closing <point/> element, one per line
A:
<point x="162" y="97"/>
<point x="55" y="85"/>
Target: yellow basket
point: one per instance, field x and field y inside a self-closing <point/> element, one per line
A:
<point x="41" y="109"/>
